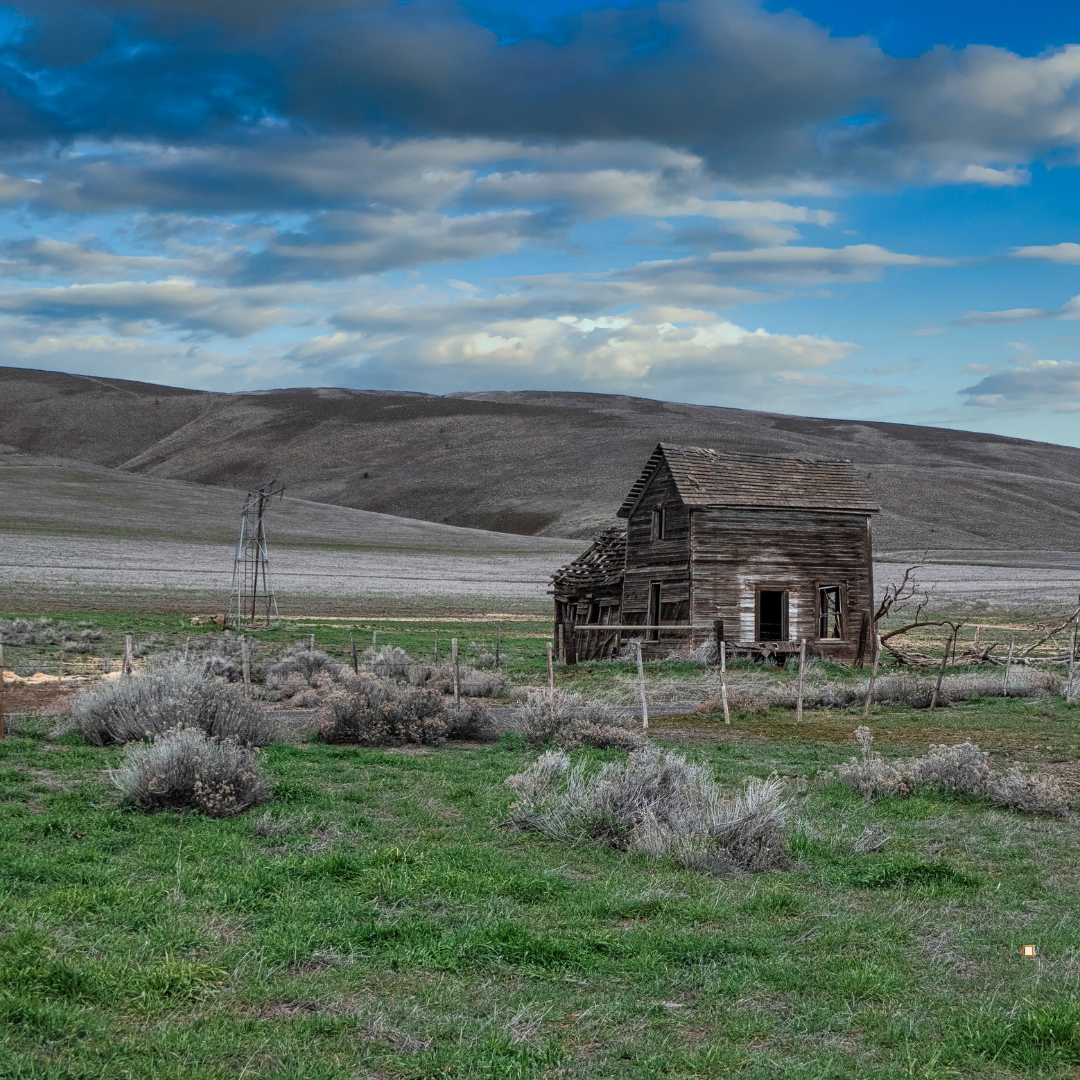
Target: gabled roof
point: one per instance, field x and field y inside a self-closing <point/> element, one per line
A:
<point x="601" y="564"/>
<point x="706" y="477"/>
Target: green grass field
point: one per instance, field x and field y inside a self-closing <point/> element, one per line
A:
<point x="388" y="928"/>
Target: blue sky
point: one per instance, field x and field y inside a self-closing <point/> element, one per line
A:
<point x="839" y="209"/>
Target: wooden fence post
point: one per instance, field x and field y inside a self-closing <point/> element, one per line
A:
<point x="641" y="690"/>
<point x="1072" y="668"/>
<point x="941" y="670"/>
<point x="374" y="639"/>
<point x="187" y="645"/>
<point x="311" y="647"/>
<point x="873" y="674"/>
<point x="723" y="677"/>
<point x="3" y="730"/>
<point x="435" y="653"/>
<point x="551" y="677"/>
<point x="802" y="668"/>
<point x="352" y="654"/>
<point x="60" y="666"/>
<point x="245" y="654"/>
<point x="129" y="661"/>
<point x="457" y="671"/>
<point x="1008" y="667"/>
<point x="498" y="641"/>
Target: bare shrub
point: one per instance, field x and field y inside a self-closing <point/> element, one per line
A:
<point x="657" y="803"/>
<point x="377" y="712"/>
<point x="184" y="769"/>
<point x="1033" y="792"/>
<point x="872" y="774"/>
<point x="706" y="653"/>
<point x="474" y="683"/>
<point x="569" y="722"/>
<point x="302" y="660"/>
<point x="223" y="667"/>
<point x="165" y="698"/>
<point x="27" y="632"/>
<point x="388" y="662"/>
<point x="963" y="768"/>
<point x="468" y="721"/>
<point x="418" y="674"/>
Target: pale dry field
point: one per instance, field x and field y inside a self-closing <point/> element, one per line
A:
<point x="63" y="572"/>
<point x="86" y="537"/>
<point x="75" y="537"/>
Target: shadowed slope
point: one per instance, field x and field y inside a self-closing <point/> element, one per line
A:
<point x="535" y="462"/>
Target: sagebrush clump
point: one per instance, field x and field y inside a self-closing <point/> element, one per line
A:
<point x="658" y="803"/>
<point x="388" y="662"/>
<point x="378" y="712"/>
<point x="568" y="722"/>
<point x="161" y="699"/>
<point x="963" y="768"/>
<point x="184" y="769"/>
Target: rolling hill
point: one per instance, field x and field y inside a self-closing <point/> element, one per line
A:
<point x="554" y="464"/>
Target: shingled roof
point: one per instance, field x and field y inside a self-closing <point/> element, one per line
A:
<point x="706" y="477"/>
<point x="600" y="565"/>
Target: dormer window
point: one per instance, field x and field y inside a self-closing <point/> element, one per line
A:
<point x="658" y="523"/>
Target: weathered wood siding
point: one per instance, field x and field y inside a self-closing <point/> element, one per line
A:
<point x="666" y="561"/>
<point x="739" y="551"/>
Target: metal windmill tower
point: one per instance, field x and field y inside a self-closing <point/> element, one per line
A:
<point x="252" y="597"/>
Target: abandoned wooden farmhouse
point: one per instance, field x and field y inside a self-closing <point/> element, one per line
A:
<point x="758" y="551"/>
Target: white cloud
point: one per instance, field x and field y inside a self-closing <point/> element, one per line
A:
<point x="1069" y="310"/>
<point x="1068" y="253"/>
<point x="799" y="265"/>
<point x="137" y="307"/>
<point x="1042" y="385"/>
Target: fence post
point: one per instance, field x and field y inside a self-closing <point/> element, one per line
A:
<point x="352" y="654"/>
<point x="128" y="662"/>
<point x="723" y="676"/>
<point x="1008" y="667"/>
<point x="802" y="668"/>
<point x="374" y="639"/>
<point x="311" y="647"/>
<point x="245" y="654"/>
<point x="498" y="642"/>
<point x="3" y="731"/>
<point x="187" y="645"/>
<point x="60" y="666"/>
<point x="641" y="690"/>
<point x="551" y="678"/>
<point x="1072" y="668"/>
<point x="873" y="674"/>
<point x="435" y="654"/>
<point x="457" y="671"/>
<point x="941" y="670"/>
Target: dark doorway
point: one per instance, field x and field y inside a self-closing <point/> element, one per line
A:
<point x="772" y="615"/>
<point x="653" y="632"/>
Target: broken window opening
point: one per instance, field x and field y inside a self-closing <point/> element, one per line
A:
<point x="830" y="612"/>
<point x="772" y="615"/>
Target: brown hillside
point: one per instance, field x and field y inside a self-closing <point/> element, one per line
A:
<point x="533" y="462"/>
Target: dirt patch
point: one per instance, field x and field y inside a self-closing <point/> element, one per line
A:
<point x="1068" y="772"/>
<point x="39" y="699"/>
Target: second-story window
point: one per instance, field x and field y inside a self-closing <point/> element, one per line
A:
<point x="658" y="523"/>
